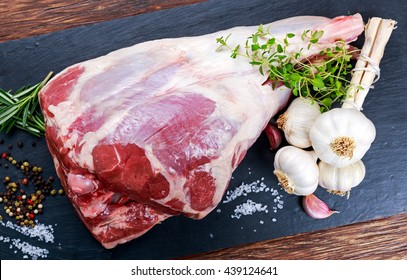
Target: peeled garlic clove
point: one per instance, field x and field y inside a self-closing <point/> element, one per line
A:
<point x="296" y="122"/>
<point x="296" y="170"/>
<point x="342" y="136"/>
<point x="341" y="180"/>
<point x="274" y="136"/>
<point x="316" y="208"/>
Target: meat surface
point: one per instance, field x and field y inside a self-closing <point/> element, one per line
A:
<point x="156" y="129"/>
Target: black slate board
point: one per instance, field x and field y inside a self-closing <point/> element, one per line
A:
<point x="382" y="193"/>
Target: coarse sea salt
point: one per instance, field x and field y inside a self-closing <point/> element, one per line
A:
<point x="245" y="189"/>
<point x="41" y="232"/>
<point x="248" y="208"/>
<point x="26" y="248"/>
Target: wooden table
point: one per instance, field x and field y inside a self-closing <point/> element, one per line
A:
<point x="377" y="239"/>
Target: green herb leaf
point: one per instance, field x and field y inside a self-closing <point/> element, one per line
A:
<point x="21" y="109"/>
<point x="323" y="78"/>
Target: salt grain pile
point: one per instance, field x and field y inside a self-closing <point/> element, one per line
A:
<point x="250" y="207"/>
<point x="41" y="232"/>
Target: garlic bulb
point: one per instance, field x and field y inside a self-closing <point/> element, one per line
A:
<point x="296" y="170"/>
<point x="342" y="136"/>
<point x="297" y="121"/>
<point x="341" y="180"/>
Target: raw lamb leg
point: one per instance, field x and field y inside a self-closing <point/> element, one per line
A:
<point x="156" y="129"/>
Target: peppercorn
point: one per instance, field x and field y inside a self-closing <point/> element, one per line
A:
<point x="4" y="155"/>
<point x="1" y="199"/>
<point x="36" y="211"/>
<point x="39" y="206"/>
<point x="61" y="192"/>
<point x="53" y="192"/>
<point x="24" y="181"/>
<point x="13" y="162"/>
<point x="1" y="217"/>
<point x="7" y="179"/>
<point x="39" y="169"/>
<point x="38" y="192"/>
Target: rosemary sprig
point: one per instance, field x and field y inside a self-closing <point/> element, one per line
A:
<point x="322" y="78"/>
<point x="21" y="109"/>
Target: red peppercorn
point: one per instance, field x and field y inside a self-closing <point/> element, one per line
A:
<point x="24" y="181"/>
<point x="29" y="202"/>
<point x="19" y="197"/>
<point x="31" y="216"/>
<point x="4" y="155"/>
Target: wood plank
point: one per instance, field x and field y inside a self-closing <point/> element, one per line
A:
<point x="379" y="239"/>
<point x="22" y="19"/>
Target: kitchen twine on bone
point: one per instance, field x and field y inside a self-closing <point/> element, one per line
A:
<point x="373" y="69"/>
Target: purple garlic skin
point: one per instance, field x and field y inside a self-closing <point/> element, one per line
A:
<point x="274" y="135"/>
<point x="316" y="208"/>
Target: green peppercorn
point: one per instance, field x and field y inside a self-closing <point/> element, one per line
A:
<point x="38" y="192"/>
<point x="25" y="164"/>
<point x="14" y="162"/>
<point x="35" y="168"/>
<point x="40" y="169"/>
<point x="53" y="192"/>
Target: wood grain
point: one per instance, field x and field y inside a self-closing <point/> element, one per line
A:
<point x="24" y="18"/>
<point x="379" y="239"/>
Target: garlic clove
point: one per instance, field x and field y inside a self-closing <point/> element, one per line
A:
<point x="296" y="170"/>
<point x="316" y="208"/>
<point x="297" y="120"/>
<point x="341" y="180"/>
<point x="274" y="135"/>
<point x="342" y="136"/>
